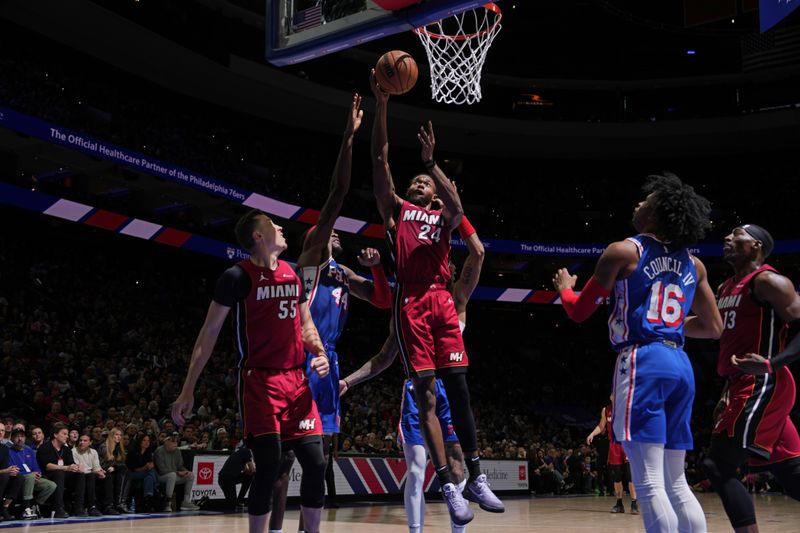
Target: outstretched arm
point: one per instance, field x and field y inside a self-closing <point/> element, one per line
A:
<point x="374" y="366"/>
<point x="317" y="239"/>
<point x="617" y="261"/>
<point x="377" y="290"/>
<point x="382" y="183"/>
<point x="706" y="323"/>
<point x="201" y="353"/>
<point x="445" y="189"/>
<point x="471" y="270"/>
<point x="777" y="291"/>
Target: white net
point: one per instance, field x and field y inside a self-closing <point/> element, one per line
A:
<point x="457" y="48"/>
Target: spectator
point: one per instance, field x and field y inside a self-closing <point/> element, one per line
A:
<point x="9" y="480"/>
<point x="141" y="467"/>
<point x="112" y="459"/>
<point x="37" y="436"/>
<point x="171" y="472"/>
<point x="238" y="468"/>
<point x="55" y="414"/>
<point x="4" y="440"/>
<point x="33" y="484"/>
<point x="72" y="440"/>
<point x="86" y="458"/>
<point x="97" y="437"/>
<point x="59" y="466"/>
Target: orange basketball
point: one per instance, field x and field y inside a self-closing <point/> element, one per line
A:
<point x="396" y="72"/>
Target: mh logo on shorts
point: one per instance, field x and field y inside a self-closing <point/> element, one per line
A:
<point x="456" y="356"/>
<point x="308" y="424"/>
<point x="205" y="473"/>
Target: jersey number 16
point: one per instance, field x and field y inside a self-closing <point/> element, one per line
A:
<point x="665" y="304"/>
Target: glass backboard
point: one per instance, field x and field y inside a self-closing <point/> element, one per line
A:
<point x="299" y="30"/>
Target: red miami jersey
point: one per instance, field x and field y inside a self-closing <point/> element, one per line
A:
<point x="748" y="325"/>
<point x="267" y="330"/>
<point x="422" y="246"/>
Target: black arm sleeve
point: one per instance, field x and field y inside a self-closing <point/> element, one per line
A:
<point x="303" y="294"/>
<point x="788" y="355"/>
<point x="232" y="286"/>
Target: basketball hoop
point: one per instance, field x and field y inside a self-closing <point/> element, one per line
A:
<point x="457" y="48"/>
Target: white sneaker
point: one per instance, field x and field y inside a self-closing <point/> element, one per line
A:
<point x="189" y="506"/>
<point x="29" y="514"/>
<point x="167" y="508"/>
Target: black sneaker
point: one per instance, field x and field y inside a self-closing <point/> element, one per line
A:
<point x="5" y="514"/>
<point x="60" y="513"/>
<point x="94" y="511"/>
<point x="634" y="507"/>
<point x="618" y="508"/>
<point x="110" y="511"/>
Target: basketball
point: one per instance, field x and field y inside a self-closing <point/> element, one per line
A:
<point x="396" y="72"/>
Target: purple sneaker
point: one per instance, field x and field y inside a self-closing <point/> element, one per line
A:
<point x="460" y="513"/>
<point x="478" y="491"/>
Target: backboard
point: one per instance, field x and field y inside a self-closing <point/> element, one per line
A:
<point x="299" y="30"/>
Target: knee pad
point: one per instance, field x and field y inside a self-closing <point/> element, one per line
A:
<point x="312" y="487"/>
<point x="267" y="455"/>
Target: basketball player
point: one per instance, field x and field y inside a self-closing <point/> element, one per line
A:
<point x="410" y="433"/>
<point x="752" y="419"/>
<point x="655" y="283"/>
<point x="272" y="325"/>
<point x="617" y="460"/>
<point x="426" y="323"/>
<point x="328" y="286"/>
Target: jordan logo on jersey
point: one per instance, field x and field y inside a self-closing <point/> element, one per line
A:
<point x="262" y="277"/>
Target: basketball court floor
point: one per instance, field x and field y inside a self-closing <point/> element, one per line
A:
<point x="776" y="513"/>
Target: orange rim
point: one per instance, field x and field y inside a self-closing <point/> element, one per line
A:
<point x="491" y="7"/>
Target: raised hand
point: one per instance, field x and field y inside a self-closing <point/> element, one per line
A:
<point x="369" y="257"/>
<point x="564" y="280"/>
<point x="354" y="116"/>
<point x="380" y="95"/>
<point x="427" y="141"/>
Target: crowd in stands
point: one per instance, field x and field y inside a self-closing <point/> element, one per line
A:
<point x="96" y="333"/>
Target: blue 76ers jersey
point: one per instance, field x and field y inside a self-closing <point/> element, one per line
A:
<point x="652" y="303"/>
<point x="328" y="292"/>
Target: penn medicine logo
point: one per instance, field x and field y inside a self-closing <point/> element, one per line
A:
<point x="308" y="424"/>
<point x="231" y="252"/>
<point x="456" y="356"/>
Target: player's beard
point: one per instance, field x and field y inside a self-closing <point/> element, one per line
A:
<point x="417" y="198"/>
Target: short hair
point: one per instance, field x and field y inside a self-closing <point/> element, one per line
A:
<point x="245" y="226"/>
<point x="15" y="432"/>
<point x="683" y="215"/>
<point x="58" y="426"/>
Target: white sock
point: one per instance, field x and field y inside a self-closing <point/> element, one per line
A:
<point x="275" y="531"/>
<point x="461" y="486"/>
<point x="457" y="529"/>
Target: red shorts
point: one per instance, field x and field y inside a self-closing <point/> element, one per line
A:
<point x="616" y="455"/>
<point x="755" y="413"/>
<point x="427" y="330"/>
<point x="277" y="402"/>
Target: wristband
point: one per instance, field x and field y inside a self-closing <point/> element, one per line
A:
<point x="465" y="229"/>
<point x="429" y="164"/>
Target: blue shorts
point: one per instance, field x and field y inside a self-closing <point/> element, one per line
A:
<point x="653" y="395"/>
<point x="409" y="432"/>
<point x="326" y="392"/>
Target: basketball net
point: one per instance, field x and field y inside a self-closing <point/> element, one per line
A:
<point x="457" y="48"/>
